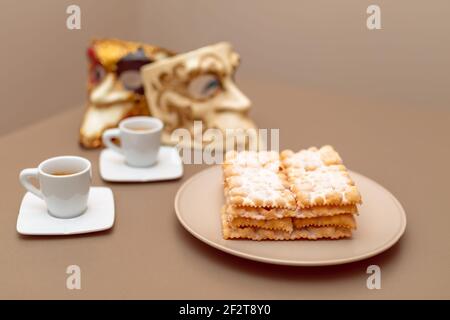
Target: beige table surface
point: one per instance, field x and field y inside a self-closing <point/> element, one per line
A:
<point x="148" y="255"/>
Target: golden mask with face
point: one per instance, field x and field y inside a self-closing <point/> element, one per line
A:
<point x="115" y="88"/>
<point x="197" y="85"/>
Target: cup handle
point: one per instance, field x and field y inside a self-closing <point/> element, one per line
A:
<point x="24" y="178"/>
<point x="107" y="137"/>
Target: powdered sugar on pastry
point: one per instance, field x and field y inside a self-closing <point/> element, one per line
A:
<point x="311" y="158"/>
<point x="259" y="187"/>
<point x="324" y="186"/>
<point x="305" y="159"/>
<point x="263" y="159"/>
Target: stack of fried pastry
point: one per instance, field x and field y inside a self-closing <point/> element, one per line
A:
<point x="288" y="196"/>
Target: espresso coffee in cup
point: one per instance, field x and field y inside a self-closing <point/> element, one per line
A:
<point x="64" y="184"/>
<point x="140" y="139"/>
<point x="142" y="129"/>
<point x="62" y="173"/>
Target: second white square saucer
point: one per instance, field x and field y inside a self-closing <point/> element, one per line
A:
<point x="168" y="167"/>
<point x="35" y="220"/>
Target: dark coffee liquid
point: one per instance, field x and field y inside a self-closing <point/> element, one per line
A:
<point x="141" y="129"/>
<point x="62" y="173"/>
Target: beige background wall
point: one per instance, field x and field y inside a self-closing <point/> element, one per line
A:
<point x="317" y="45"/>
<point x="42" y="63"/>
<point x="321" y="44"/>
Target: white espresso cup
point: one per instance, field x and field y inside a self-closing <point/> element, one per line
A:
<point x="64" y="184"/>
<point x="140" y="139"/>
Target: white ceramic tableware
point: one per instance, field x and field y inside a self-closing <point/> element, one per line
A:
<point x="140" y="140"/>
<point x="381" y="222"/>
<point x="64" y="184"/>
<point x="114" y="168"/>
<point x="34" y="220"/>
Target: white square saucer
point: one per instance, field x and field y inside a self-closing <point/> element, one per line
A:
<point x="35" y="220"/>
<point x="113" y="167"/>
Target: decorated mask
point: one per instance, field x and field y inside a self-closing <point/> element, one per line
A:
<point x="115" y="88"/>
<point x="197" y="85"/>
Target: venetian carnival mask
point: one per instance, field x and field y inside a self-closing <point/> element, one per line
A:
<point x="197" y="86"/>
<point x="115" y="88"/>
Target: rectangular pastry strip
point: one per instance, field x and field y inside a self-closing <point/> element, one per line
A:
<point x="311" y="233"/>
<point x="324" y="186"/>
<point x="284" y="224"/>
<point x="288" y="224"/>
<point x="342" y="220"/>
<point x="258" y="187"/>
<point x="311" y="158"/>
<point x="277" y="213"/>
<point x="262" y="159"/>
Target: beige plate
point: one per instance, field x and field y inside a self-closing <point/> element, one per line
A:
<point x="381" y="223"/>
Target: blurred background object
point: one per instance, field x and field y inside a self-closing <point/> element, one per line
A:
<point x="115" y="89"/>
<point x="315" y="45"/>
<point x="200" y="86"/>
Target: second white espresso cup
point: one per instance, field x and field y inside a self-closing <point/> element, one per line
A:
<point x="140" y="139"/>
<point x="64" y="184"/>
